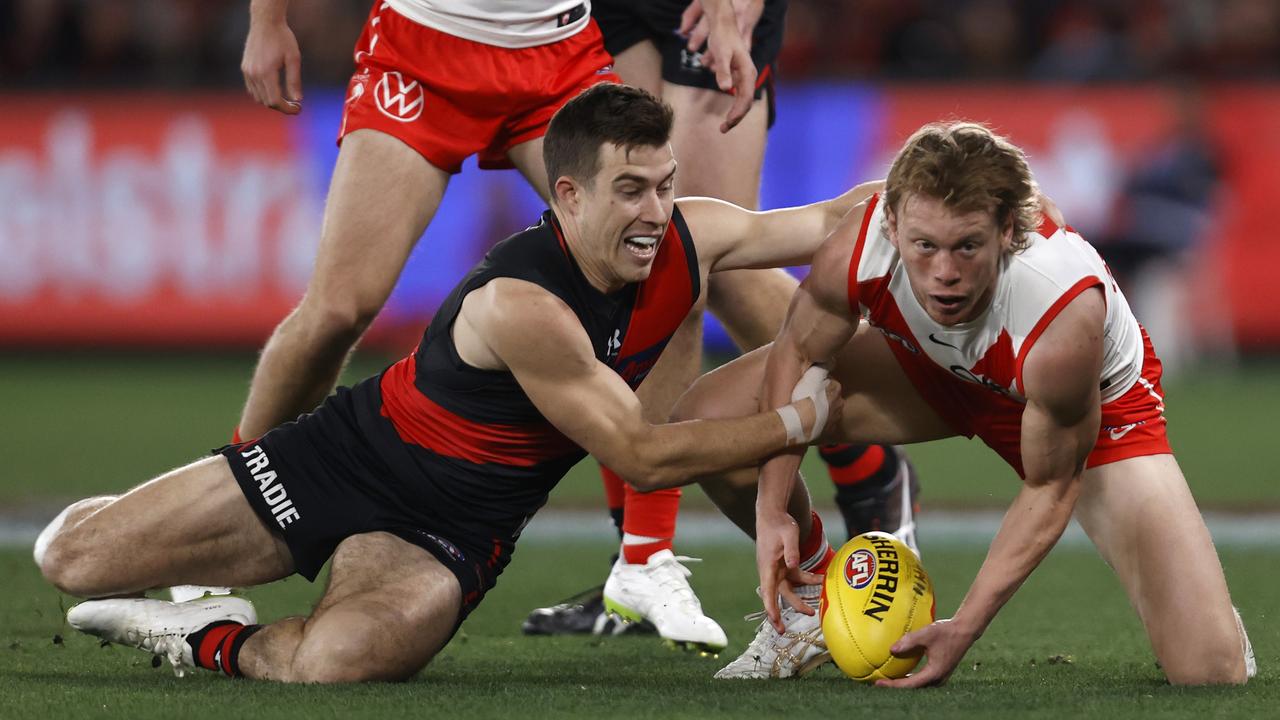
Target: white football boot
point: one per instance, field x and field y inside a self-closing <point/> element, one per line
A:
<point x="183" y="593"/>
<point x="157" y="626"/>
<point x="1250" y="662"/>
<point x="658" y="591"/>
<point x="793" y="653"/>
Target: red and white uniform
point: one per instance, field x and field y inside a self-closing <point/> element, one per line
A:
<point x="505" y="23"/>
<point x="478" y="77"/>
<point x="971" y="373"/>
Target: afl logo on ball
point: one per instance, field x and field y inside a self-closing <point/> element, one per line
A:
<point x="860" y="569"/>
<point x="397" y="99"/>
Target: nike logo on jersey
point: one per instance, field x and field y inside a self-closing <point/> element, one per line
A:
<point x="940" y="342"/>
<point x="1118" y="432"/>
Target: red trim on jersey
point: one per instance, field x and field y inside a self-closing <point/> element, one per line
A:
<point x="1081" y="285"/>
<point x="663" y="299"/>
<point x="856" y="258"/>
<point x="555" y="226"/>
<point x="1047" y="226"/>
<point x="421" y="422"/>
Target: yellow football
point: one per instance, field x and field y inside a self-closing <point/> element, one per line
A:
<point x="875" y="592"/>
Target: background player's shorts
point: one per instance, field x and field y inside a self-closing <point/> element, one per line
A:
<point x="450" y="98"/>
<point x="319" y="481"/>
<point x="626" y="22"/>
<point x="1133" y="425"/>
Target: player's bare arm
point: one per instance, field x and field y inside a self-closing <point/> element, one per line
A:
<point x="517" y="326"/>
<point x="726" y="31"/>
<point x="731" y="238"/>
<point x="818" y="323"/>
<point x="1059" y="428"/>
<point x="269" y="48"/>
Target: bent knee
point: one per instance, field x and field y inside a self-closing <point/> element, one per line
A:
<point x="73" y="568"/>
<point x="1223" y="664"/>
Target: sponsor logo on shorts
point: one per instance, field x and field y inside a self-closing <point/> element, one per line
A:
<point x="447" y="546"/>
<point x="397" y="99"/>
<point x="691" y="61"/>
<point x="1118" y="431"/>
<point x="276" y="497"/>
<point x="860" y="569"/>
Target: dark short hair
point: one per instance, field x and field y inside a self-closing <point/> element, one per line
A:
<point x="603" y="113"/>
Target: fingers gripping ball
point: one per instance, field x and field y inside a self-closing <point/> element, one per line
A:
<point x="875" y="592"/>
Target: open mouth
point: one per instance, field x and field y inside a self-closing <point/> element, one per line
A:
<point x="642" y="246"/>
<point x="949" y="303"/>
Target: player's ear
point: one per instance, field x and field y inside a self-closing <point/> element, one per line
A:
<point x="891" y="222"/>
<point x="567" y="193"/>
<point x="1006" y="234"/>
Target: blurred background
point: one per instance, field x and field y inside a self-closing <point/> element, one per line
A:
<point x="155" y="224"/>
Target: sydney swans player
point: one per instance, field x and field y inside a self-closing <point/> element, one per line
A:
<point x="418" y="481"/>
<point x="957" y="301"/>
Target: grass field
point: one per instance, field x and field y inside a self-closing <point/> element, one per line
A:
<point x="74" y="424"/>
<point x="1066" y="646"/>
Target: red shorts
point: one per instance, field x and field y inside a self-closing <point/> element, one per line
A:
<point x="1133" y="424"/>
<point x="450" y="98"/>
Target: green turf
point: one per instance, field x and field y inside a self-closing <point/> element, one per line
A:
<point x="1071" y="609"/>
<point x="76" y="424"/>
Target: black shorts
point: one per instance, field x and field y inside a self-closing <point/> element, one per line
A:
<point x="627" y="22"/>
<point x="338" y="472"/>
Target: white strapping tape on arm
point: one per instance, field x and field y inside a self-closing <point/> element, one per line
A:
<point x="813" y="384"/>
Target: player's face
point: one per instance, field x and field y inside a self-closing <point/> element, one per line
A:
<point x="627" y="209"/>
<point x="952" y="259"/>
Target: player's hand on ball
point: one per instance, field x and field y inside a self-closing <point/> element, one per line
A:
<point x="778" y="562"/>
<point x="269" y="49"/>
<point x="943" y="643"/>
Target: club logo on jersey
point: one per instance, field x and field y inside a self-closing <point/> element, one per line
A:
<point x="968" y="375"/>
<point x="860" y="569"/>
<point x="899" y="339"/>
<point x="397" y="99"/>
<point x="614" y="344"/>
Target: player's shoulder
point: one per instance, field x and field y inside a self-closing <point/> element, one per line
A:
<point x="523" y="323"/>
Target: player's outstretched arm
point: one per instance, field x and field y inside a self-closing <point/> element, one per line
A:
<point x="726" y="31"/>
<point x="269" y="48"/>
<point x="1059" y="428"/>
<point x="731" y="238"/>
<point x="533" y="334"/>
<point x="818" y="324"/>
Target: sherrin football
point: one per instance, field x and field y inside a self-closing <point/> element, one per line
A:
<point x="875" y="592"/>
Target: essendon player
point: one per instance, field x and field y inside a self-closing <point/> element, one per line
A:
<point x="434" y="83"/>
<point x="417" y="482"/>
<point x="985" y="314"/>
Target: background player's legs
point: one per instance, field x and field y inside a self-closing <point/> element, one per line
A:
<point x="192" y="525"/>
<point x="390" y="606"/>
<point x="1142" y="517"/>
<point x="641" y="66"/>
<point x="381" y="198"/>
<point x="527" y="157"/>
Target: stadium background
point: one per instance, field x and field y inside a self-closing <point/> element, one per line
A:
<point x="155" y="225"/>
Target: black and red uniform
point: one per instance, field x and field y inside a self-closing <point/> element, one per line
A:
<point x="450" y="457"/>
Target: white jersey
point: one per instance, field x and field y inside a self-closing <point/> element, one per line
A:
<point x="1032" y="288"/>
<point x="504" y="23"/>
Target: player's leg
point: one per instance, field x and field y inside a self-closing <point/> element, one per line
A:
<point x="390" y="606"/>
<point x="192" y="525"/>
<point x="388" y="609"/>
<point x="1142" y="517"/>
<point x="382" y="196"/>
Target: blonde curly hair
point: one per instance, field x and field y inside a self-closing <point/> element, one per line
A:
<point x="969" y="168"/>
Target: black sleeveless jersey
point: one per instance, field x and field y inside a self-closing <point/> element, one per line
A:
<point x="480" y="450"/>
